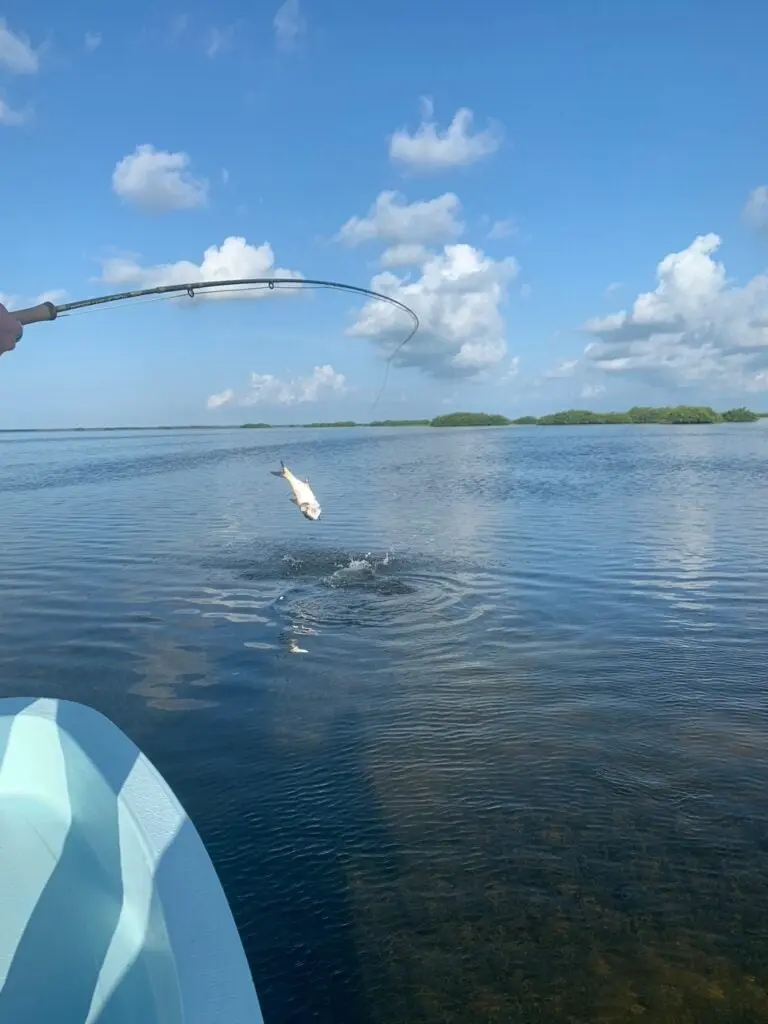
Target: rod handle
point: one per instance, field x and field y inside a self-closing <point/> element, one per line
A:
<point x="35" y="314"/>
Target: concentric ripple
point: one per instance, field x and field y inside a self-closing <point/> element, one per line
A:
<point x="314" y="591"/>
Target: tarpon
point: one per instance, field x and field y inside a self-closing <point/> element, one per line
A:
<point x="302" y="494"/>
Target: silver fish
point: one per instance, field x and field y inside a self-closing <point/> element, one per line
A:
<point x="302" y="494"/>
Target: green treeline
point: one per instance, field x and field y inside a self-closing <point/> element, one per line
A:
<point x="335" y="423"/>
<point x="470" y="419"/>
<point x="673" y="414"/>
<point x="639" y="414"/>
<point x="400" y="423"/>
<point x="740" y="415"/>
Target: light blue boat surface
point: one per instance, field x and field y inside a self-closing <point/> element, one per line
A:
<point x="110" y="908"/>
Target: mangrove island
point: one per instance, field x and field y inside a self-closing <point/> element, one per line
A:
<point x="638" y="414"/>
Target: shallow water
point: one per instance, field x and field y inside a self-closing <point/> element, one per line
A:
<point x="487" y="743"/>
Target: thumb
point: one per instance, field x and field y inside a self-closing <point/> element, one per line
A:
<point x="11" y="330"/>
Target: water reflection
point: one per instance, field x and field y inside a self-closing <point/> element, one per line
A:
<point x="424" y="490"/>
<point x="167" y="669"/>
<point x="683" y="550"/>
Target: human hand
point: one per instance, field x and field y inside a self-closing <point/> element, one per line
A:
<point x="10" y="330"/>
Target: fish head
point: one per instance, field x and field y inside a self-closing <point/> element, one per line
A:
<point x="310" y="509"/>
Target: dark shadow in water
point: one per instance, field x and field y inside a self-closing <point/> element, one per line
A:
<point x="283" y="847"/>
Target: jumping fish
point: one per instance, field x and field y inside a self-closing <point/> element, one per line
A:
<point x="302" y="494"/>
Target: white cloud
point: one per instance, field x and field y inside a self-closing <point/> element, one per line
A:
<point x="615" y="286"/>
<point x="323" y="382"/>
<point x="457" y="299"/>
<point x="16" y="52"/>
<point x="266" y="389"/>
<point x="12" y="118"/>
<point x="156" y="180"/>
<point x="391" y="219"/>
<point x="92" y="41"/>
<point x="429" y="150"/>
<point x="407" y="254"/>
<point x="525" y="291"/>
<point x="503" y="229"/>
<point x="696" y="327"/>
<point x="756" y="210"/>
<point x="234" y="258"/>
<point x="565" y="368"/>
<point x="513" y="370"/>
<point x="223" y="398"/>
<point x="592" y="390"/>
<point x="55" y="295"/>
<point x="289" y="24"/>
<point x="427" y="105"/>
<point x="221" y="39"/>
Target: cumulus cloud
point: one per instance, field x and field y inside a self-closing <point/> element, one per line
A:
<point x="156" y="180"/>
<point x="289" y="24"/>
<point x="408" y="254"/>
<point x="512" y="371"/>
<point x="92" y="41"/>
<point x="54" y="295"/>
<point x="503" y="229"/>
<point x="223" y="398"/>
<point x="12" y="118"/>
<point x="234" y="258"/>
<point x="565" y="368"/>
<point x="429" y="150"/>
<point x="16" y="53"/>
<point x="266" y="389"/>
<point x="756" y="210"/>
<point x="592" y="390"/>
<point x="391" y="219"/>
<point x="457" y="299"/>
<point x="695" y="327"/>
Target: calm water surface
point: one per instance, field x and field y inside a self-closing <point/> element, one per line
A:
<point x="489" y="743"/>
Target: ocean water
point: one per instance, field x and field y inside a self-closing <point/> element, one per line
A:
<point x="488" y="743"/>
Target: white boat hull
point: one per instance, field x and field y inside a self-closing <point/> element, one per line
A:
<point x="110" y="908"/>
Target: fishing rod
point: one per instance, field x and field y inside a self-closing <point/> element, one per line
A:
<point x="47" y="311"/>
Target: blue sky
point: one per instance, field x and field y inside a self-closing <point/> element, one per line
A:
<point x="572" y="197"/>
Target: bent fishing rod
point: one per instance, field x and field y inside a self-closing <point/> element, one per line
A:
<point x="47" y="311"/>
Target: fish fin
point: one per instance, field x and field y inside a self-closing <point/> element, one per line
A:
<point x="279" y="472"/>
<point x="292" y="498"/>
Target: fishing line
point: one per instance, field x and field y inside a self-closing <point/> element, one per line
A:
<point x="236" y="286"/>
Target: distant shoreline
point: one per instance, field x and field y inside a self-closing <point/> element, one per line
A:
<point x="678" y="415"/>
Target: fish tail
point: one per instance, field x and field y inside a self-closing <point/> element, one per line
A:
<point x="281" y="471"/>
